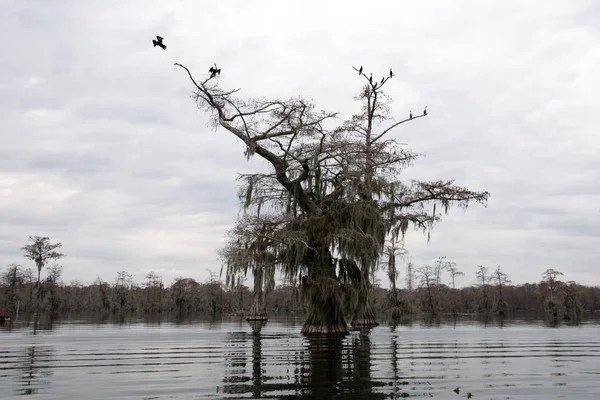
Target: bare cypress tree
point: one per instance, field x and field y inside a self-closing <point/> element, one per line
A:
<point x="329" y="201"/>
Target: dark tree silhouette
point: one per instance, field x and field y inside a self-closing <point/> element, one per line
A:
<point x="40" y="250"/>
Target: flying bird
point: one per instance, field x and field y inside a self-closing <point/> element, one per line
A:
<point x="391" y="73"/>
<point x="159" y="42"/>
<point x="214" y="71"/>
<point x="360" y="70"/>
<point x="410" y="115"/>
<point x="425" y="111"/>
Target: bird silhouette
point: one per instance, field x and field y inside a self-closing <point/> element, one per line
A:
<point x="214" y="71"/>
<point x="391" y="73"/>
<point x="425" y="111"/>
<point x="382" y="80"/>
<point x="457" y="390"/>
<point x="159" y="42"/>
<point x="360" y="70"/>
<point x="371" y="79"/>
<point x="410" y="115"/>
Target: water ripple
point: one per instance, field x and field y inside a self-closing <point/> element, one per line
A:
<point x="233" y="360"/>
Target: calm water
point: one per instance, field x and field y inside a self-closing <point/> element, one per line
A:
<point x="203" y="360"/>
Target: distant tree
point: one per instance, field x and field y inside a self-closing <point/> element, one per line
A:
<point x="454" y="272"/>
<point x="40" y="250"/>
<point x="153" y="288"/>
<point x="483" y="280"/>
<point x="501" y="280"/>
<point x="394" y="249"/>
<point x="13" y="278"/>
<point x="550" y="277"/>
<point x="54" y="274"/>
<point x="427" y="278"/>
<point x="410" y="276"/>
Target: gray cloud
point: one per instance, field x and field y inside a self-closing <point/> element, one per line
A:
<point x="103" y="149"/>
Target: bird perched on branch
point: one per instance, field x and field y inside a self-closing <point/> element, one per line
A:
<point x="159" y="42"/>
<point x="214" y="71"/>
<point x="410" y="115"/>
<point x="391" y="73"/>
<point x="425" y="111"/>
<point x="371" y="79"/>
<point x="360" y="70"/>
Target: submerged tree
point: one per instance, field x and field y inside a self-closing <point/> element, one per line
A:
<point x="332" y="196"/>
<point x="428" y="279"/>
<point x="484" y="280"/>
<point x="40" y="250"/>
<point x="500" y="279"/>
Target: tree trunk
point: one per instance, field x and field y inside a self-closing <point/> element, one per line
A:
<point x="258" y="311"/>
<point x="364" y="317"/>
<point x="325" y="314"/>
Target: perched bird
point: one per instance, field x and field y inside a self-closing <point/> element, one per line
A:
<point x="457" y="390"/>
<point x="425" y="111"/>
<point x="214" y="71"/>
<point x="159" y="42"/>
<point x="375" y="85"/>
<point x="360" y="70"/>
<point x="469" y="395"/>
<point x="371" y="79"/>
<point x="391" y="73"/>
<point x="410" y="115"/>
<point x="382" y="80"/>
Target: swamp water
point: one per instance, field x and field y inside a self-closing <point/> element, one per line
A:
<point x="515" y="359"/>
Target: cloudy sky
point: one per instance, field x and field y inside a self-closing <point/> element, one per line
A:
<point x="103" y="150"/>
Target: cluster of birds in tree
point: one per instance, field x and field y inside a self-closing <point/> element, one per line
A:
<point x="360" y="72"/>
<point x="213" y="71"/>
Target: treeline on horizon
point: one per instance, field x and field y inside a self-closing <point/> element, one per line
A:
<point x="21" y="293"/>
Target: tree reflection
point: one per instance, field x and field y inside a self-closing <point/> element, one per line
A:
<point x="33" y="369"/>
<point x="324" y="368"/>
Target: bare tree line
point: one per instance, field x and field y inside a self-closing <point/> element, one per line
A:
<point x="433" y="293"/>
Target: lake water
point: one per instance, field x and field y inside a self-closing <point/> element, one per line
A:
<point x="228" y="359"/>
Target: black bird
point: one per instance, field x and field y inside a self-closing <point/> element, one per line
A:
<point x="425" y="111"/>
<point x="214" y="71"/>
<point x="159" y="42"/>
<point x="375" y="85"/>
<point x="410" y="115"/>
<point x="457" y="390"/>
<point x="371" y="79"/>
<point x="360" y="70"/>
<point x="391" y="73"/>
<point x="382" y="80"/>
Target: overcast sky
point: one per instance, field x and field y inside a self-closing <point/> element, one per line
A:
<point x="103" y="149"/>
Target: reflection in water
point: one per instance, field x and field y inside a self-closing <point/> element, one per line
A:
<point x="323" y="368"/>
<point x="35" y="366"/>
<point x="231" y="359"/>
